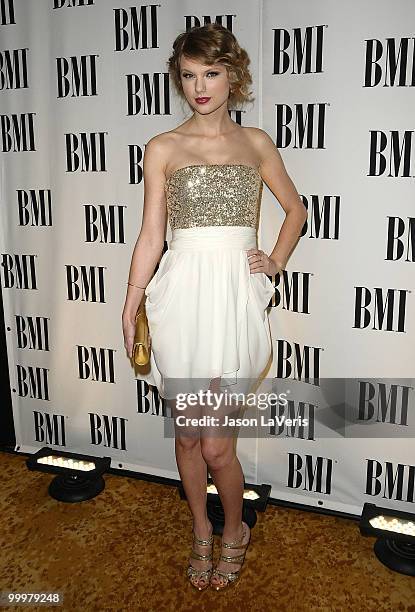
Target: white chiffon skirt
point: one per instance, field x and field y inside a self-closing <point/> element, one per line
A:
<point x="207" y="313"/>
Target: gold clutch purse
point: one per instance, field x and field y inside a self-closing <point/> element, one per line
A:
<point x="141" y="347"/>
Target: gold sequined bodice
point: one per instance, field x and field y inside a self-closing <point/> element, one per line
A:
<point x="214" y="194"/>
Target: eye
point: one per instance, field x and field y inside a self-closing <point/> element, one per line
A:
<point x="185" y="75"/>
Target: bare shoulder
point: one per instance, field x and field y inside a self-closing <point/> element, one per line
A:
<point x="158" y="151"/>
<point x="259" y="138"/>
<point x="265" y="148"/>
<point x="159" y="143"/>
<point x="273" y="172"/>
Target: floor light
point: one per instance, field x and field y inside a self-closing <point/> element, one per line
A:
<point x="78" y="477"/>
<point x="395" y="532"/>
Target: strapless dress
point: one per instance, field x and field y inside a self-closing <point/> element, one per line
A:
<point x="207" y="313"/>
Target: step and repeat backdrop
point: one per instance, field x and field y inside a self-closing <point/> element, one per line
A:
<point x="83" y="87"/>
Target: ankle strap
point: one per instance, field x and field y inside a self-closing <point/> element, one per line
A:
<point x="235" y="544"/>
<point x="203" y="542"/>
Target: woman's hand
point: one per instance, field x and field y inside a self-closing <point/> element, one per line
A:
<point x="128" y="327"/>
<point x="260" y="262"/>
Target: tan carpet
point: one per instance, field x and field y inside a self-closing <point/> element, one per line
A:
<point x="127" y="549"/>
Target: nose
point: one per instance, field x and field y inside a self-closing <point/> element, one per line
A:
<point x="200" y="86"/>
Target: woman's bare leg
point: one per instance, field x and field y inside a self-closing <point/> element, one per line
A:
<point x="193" y="473"/>
<point x="226" y="471"/>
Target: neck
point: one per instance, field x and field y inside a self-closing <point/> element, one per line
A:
<point x="217" y="123"/>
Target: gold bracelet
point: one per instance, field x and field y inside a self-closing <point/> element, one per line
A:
<point x="132" y="285"/>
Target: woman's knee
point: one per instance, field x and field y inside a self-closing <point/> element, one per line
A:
<point x="217" y="453"/>
<point x="187" y="443"/>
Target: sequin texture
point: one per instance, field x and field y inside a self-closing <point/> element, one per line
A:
<point x="214" y="194"/>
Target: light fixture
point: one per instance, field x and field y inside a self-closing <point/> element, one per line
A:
<point x="255" y="499"/>
<point x="78" y="477"/>
<point x="395" y="531"/>
<point x="247" y="494"/>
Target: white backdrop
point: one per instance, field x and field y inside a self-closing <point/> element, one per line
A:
<point x="83" y="87"/>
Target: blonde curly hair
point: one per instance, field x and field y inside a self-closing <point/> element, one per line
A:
<point x="210" y="44"/>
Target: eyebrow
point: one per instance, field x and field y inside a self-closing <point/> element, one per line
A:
<point x="208" y="69"/>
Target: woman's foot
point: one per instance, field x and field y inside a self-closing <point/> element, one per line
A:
<point x="199" y="570"/>
<point x="238" y="543"/>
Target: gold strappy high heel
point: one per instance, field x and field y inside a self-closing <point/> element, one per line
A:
<point x="192" y="572"/>
<point x="231" y="577"/>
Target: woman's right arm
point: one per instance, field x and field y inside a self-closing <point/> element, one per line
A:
<point x="149" y="245"/>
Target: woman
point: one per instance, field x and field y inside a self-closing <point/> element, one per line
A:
<point x="206" y="305"/>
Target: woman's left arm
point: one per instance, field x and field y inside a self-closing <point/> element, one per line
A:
<point x="275" y="176"/>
